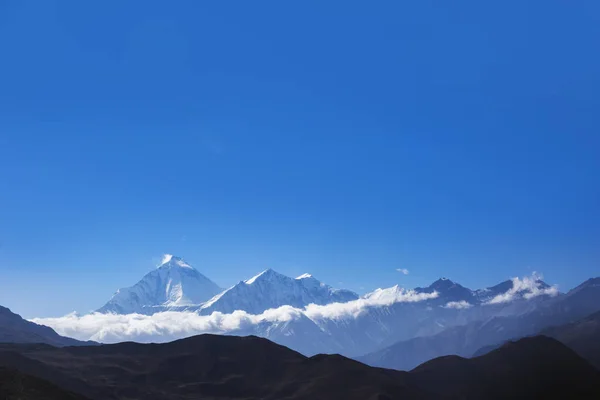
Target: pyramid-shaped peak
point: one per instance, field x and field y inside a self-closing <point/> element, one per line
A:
<point x="170" y="261"/>
<point x="500" y="287"/>
<point x="442" y="283"/>
<point x="175" y="283"/>
<point x="267" y="274"/>
<point x="448" y="290"/>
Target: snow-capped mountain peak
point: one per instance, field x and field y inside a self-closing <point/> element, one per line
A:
<point x="266" y="274"/>
<point x="384" y="294"/>
<point x="175" y="283"/>
<point x="270" y="289"/>
<point x="171" y="261"/>
<point x="448" y="290"/>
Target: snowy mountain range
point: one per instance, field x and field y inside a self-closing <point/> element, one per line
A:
<point x="175" y="300"/>
<point x="467" y="339"/>
<point x="386" y="316"/>
<point x="312" y="317"/>
<point x="270" y="289"/>
<point x="177" y="286"/>
<point x="390" y="327"/>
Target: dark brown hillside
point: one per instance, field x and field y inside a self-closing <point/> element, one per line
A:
<point x="212" y="367"/>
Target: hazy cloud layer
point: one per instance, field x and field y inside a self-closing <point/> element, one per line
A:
<point x="170" y="325"/>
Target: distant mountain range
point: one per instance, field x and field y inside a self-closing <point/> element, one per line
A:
<point x="224" y="367"/>
<point x="392" y="327"/>
<point x="431" y="331"/>
<point x="442" y="318"/>
<point x="583" y="336"/>
<point x="467" y="339"/>
<point x="176" y="286"/>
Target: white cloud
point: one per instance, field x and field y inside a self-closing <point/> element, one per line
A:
<point x="458" y="305"/>
<point x="353" y="309"/>
<point x="171" y="325"/>
<point x="160" y="327"/>
<point x="529" y="287"/>
<point x="403" y="271"/>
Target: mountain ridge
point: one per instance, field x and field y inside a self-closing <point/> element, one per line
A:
<point x="15" y="329"/>
<point x="467" y="339"/>
<point x="270" y="289"/>
<point x="310" y="316"/>
<point x="225" y="367"/>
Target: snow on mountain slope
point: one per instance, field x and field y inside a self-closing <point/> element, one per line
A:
<point x="173" y="285"/>
<point x="320" y="290"/>
<point x="387" y="294"/>
<point x="453" y="306"/>
<point x="270" y="289"/>
<point x="286" y="310"/>
<point x="312" y="317"/>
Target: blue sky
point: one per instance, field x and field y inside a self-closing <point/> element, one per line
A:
<point x="341" y="138"/>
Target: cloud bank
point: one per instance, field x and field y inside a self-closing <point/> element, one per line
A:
<point x="171" y="325"/>
<point x="403" y="271"/>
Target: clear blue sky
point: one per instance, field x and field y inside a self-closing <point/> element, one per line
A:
<point x="341" y="138"/>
